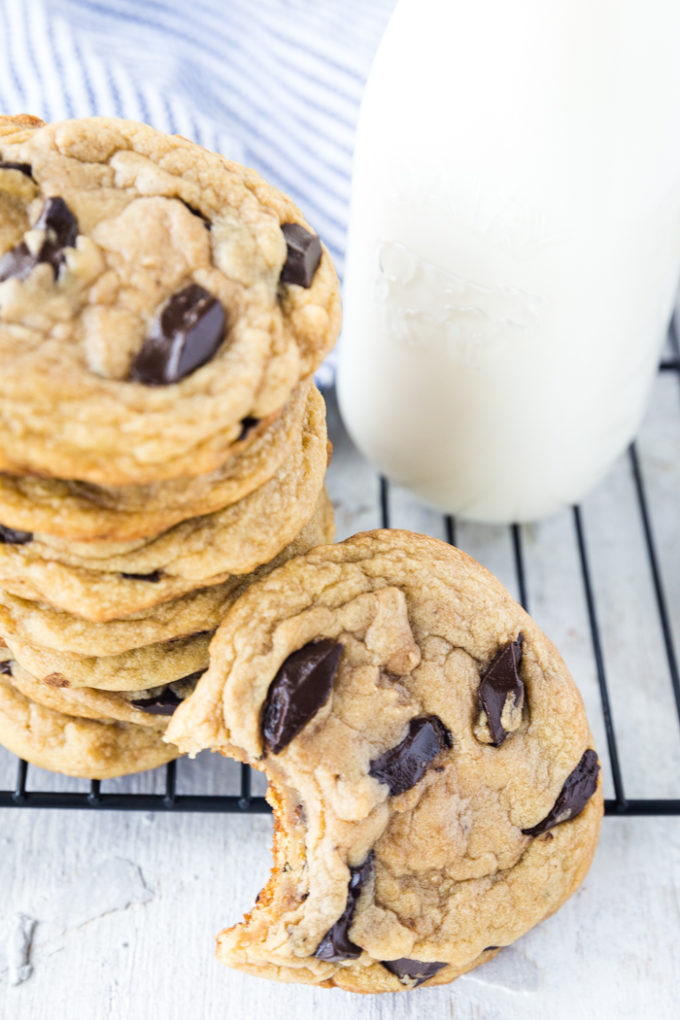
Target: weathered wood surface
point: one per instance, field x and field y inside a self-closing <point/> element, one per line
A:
<point x="112" y="915"/>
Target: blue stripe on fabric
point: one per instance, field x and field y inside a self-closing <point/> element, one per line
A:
<point x="9" y="55"/>
<point x="113" y="89"/>
<point x="281" y="28"/>
<point x="132" y="15"/>
<point x="87" y="81"/>
<point x="55" y="33"/>
<point x="284" y="43"/>
<point x="172" y="125"/>
<point x="143" y="105"/>
<point x="44" y="103"/>
<point x="347" y="12"/>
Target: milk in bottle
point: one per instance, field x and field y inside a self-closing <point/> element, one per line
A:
<point x="514" y="246"/>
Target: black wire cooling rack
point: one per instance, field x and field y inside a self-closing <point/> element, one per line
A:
<point x="244" y="801"/>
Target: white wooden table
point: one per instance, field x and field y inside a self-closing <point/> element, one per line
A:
<point x="113" y="914"/>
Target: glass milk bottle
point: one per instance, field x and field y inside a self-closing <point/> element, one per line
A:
<point x="514" y="246"/>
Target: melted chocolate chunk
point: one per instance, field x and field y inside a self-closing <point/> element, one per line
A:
<point x="170" y="697"/>
<point x="336" y="944"/>
<point x="18" y="262"/>
<point x="500" y="682"/>
<point x="61" y="231"/>
<point x="6" y="667"/>
<point x="578" y="788"/>
<point x="297" y="692"/>
<point x="11" y="536"/>
<point x="61" y="227"/>
<point x="197" y="212"/>
<point x="414" y="970"/>
<point x="154" y="577"/>
<point x="247" y="425"/>
<point x="23" y="168"/>
<point x="303" y="256"/>
<point x="186" y="334"/>
<point x="404" y="765"/>
<point x="162" y="704"/>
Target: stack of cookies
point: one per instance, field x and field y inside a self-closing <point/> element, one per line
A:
<point x="162" y="311"/>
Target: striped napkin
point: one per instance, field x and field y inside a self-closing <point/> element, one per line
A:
<point x="275" y="84"/>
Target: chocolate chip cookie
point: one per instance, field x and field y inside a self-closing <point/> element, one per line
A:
<point x="432" y="773"/>
<point x="74" y="745"/>
<point x="151" y="707"/>
<point x="105" y="580"/>
<point x="132" y="670"/>
<point x="157" y="646"/>
<point x="81" y="511"/>
<point x="155" y="298"/>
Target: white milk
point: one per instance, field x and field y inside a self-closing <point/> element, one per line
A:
<point x="514" y="246"/>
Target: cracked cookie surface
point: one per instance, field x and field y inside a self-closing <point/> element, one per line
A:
<point x="430" y="763"/>
<point x="147" y="302"/>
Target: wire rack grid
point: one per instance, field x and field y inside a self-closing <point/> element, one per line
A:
<point x="592" y="554"/>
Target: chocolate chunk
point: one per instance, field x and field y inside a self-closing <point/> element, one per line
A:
<point x="297" y="692"/>
<point x="59" y="223"/>
<point x="404" y="765"/>
<point x="6" y="667"/>
<point x="23" y="168"/>
<point x="336" y="944"/>
<point x="578" y="788"/>
<point x="17" y="263"/>
<point x="303" y="257"/>
<point x="11" y="536"/>
<point x="186" y="334"/>
<point x="154" y="577"/>
<point x="165" y="702"/>
<point x="61" y="231"/>
<point x="161" y="704"/>
<point x="197" y="212"/>
<point x="501" y="688"/>
<point x="414" y="970"/>
<point x="56" y="680"/>
<point x="247" y="425"/>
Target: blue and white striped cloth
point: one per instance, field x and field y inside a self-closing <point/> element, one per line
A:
<point x="275" y="84"/>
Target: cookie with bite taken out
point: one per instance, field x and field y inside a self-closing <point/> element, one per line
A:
<point x="435" y="788"/>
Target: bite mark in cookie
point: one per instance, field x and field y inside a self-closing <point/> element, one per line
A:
<point x="387" y="767"/>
